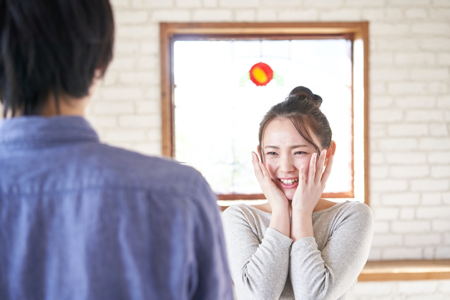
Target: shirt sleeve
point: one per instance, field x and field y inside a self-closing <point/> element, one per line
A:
<point x="213" y="274"/>
<point x="329" y="273"/>
<point x="259" y="268"/>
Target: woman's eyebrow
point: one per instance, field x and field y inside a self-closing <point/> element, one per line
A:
<point x="299" y="146"/>
<point x="270" y="146"/>
<point x="292" y="147"/>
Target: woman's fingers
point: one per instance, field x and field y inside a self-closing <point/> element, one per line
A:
<point x="302" y="174"/>
<point x="327" y="171"/>
<point x="256" y="166"/>
<point x="260" y="170"/>
<point x="254" y="158"/>
<point x="320" y="165"/>
<point x="264" y="171"/>
<point x="312" y="167"/>
<point x="262" y="174"/>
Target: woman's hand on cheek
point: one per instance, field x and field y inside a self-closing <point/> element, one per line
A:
<point x="274" y="195"/>
<point x="312" y="183"/>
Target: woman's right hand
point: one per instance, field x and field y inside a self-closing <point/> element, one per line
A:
<point x="276" y="198"/>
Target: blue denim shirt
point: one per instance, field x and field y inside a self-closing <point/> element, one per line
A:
<point x="84" y="220"/>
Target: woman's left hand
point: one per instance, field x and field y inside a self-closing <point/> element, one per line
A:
<point x="312" y="183"/>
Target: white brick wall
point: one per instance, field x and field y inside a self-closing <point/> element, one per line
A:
<point x="404" y="290"/>
<point x="409" y="109"/>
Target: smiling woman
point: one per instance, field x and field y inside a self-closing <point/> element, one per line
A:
<point x="297" y="245"/>
<point x="286" y="128"/>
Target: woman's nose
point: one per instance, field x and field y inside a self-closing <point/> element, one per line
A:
<point x="286" y="164"/>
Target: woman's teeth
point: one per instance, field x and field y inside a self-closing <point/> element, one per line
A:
<point x="289" y="181"/>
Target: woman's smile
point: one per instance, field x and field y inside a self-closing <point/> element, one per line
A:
<point x="288" y="183"/>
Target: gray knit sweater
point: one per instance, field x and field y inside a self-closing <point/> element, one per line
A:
<point x="266" y="265"/>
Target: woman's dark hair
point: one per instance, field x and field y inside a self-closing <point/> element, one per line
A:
<point x="51" y="47"/>
<point x="302" y="108"/>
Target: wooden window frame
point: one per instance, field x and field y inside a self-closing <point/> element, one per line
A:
<point x="171" y="32"/>
<point x="395" y="270"/>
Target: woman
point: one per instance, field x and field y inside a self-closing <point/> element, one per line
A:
<point x="297" y="245"/>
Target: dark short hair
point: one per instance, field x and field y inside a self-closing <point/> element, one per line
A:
<point x="302" y="108"/>
<point x="51" y="47"/>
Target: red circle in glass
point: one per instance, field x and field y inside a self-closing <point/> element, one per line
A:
<point x="261" y="74"/>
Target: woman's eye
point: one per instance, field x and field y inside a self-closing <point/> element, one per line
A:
<point x="271" y="153"/>
<point x="300" y="152"/>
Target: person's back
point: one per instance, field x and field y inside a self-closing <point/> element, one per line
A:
<point x="80" y="219"/>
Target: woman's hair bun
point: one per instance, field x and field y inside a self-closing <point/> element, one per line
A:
<point x="300" y="92"/>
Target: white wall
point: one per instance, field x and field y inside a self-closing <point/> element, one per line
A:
<point x="409" y="109"/>
<point x="403" y="290"/>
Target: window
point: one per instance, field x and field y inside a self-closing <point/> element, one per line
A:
<point x="212" y="110"/>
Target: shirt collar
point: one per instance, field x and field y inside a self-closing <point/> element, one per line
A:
<point x="37" y="131"/>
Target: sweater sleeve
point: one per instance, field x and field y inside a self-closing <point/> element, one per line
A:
<point x="329" y="273"/>
<point x="259" y="269"/>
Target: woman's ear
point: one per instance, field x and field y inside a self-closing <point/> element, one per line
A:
<point x="331" y="149"/>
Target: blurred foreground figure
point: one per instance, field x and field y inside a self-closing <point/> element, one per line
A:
<point x="80" y="219"/>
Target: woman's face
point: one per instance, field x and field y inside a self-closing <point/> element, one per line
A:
<point x="284" y="152"/>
